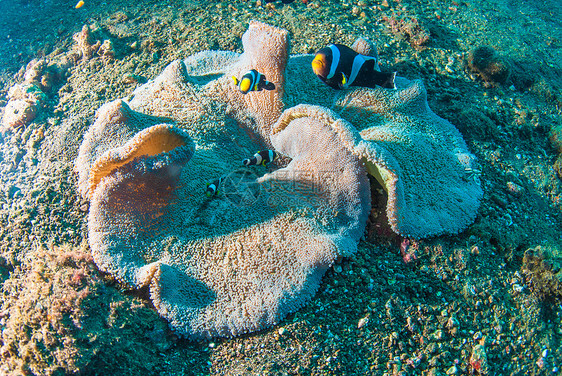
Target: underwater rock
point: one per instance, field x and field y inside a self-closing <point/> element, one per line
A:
<point x="45" y="74"/>
<point x="488" y="65"/>
<point x="24" y="103"/>
<point x="19" y="112"/>
<point x="27" y="98"/>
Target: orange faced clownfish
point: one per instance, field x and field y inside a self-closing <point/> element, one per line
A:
<point x="263" y="158"/>
<point x="253" y="81"/>
<point x="339" y="67"/>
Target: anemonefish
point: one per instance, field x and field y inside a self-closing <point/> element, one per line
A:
<point x="263" y="158"/>
<point x="283" y="1"/>
<point x="253" y="81"/>
<point x="80" y="4"/>
<point x="213" y="188"/>
<point x="339" y="67"/>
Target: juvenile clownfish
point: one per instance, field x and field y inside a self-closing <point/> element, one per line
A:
<point x="339" y="67"/>
<point x="80" y="4"/>
<point x="263" y="158"/>
<point x="283" y="1"/>
<point x="253" y="81"/>
<point x="213" y="188"/>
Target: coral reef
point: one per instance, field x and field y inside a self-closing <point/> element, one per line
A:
<point x="242" y="260"/>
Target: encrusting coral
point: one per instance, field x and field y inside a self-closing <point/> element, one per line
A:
<point x="242" y="259"/>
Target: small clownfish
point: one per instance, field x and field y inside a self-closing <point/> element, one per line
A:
<point x="263" y="158"/>
<point x="213" y="188"/>
<point x="339" y="67"/>
<point x="253" y="81"/>
<point x="80" y="4"/>
<point x="283" y="1"/>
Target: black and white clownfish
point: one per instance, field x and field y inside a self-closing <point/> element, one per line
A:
<point x="263" y="158"/>
<point x="339" y="67"/>
<point x="283" y="1"/>
<point x="253" y="81"/>
<point x="213" y="188"/>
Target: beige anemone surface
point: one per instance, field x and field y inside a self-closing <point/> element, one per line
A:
<point x="200" y="89"/>
<point x="432" y="180"/>
<point x="421" y="160"/>
<point x="115" y="124"/>
<point x="243" y="259"/>
<point x="239" y="261"/>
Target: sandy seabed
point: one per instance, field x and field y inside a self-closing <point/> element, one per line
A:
<point x="486" y="301"/>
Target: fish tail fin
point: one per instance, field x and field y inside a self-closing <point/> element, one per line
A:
<point x="385" y="79"/>
<point x="235" y="80"/>
<point x="269" y="85"/>
<point x="391" y="82"/>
